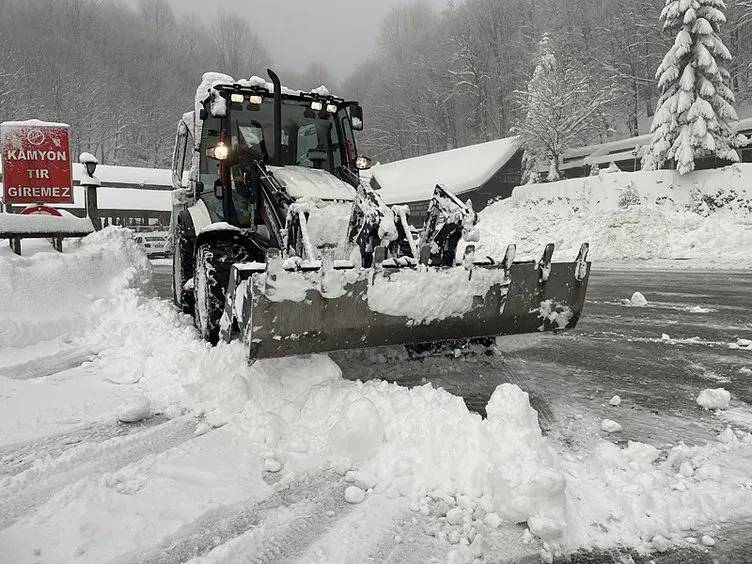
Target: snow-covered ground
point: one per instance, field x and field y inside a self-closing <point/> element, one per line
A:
<point x="287" y="460"/>
<point x="703" y="219"/>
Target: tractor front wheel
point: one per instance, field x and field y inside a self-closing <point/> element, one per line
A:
<point x="214" y="261"/>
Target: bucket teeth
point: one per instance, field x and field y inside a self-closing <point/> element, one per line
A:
<point x="581" y="270"/>
<point x="544" y="266"/>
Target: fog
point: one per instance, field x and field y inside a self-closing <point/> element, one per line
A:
<point x="338" y="33"/>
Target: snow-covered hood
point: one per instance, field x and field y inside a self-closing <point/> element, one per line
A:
<point x="302" y="182"/>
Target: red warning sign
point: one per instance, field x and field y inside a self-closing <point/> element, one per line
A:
<point x="36" y="163"/>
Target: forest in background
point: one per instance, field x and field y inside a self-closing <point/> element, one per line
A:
<point x="121" y="77"/>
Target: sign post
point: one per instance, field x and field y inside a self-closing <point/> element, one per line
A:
<point x="36" y="163"/>
<point x="91" y="183"/>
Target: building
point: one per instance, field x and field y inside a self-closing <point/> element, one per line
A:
<point x="481" y="173"/>
<point x="130" y="196"/>
<point x="627" y="155"/>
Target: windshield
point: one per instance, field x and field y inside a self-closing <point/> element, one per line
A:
<point x="310" y="138"/>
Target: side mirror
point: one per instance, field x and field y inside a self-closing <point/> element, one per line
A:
<point x="363" y="163"/>
<point x="356" y="117"/>
<point x="218" y="189"/>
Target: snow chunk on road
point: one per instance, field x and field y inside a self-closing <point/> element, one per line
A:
<point x="455" y="516"/>
<point x="661" y="543"/>
<point x="354" y="495"/>
<point x="707" y="540"/>
<point x="134" y="409"/>
<point x="699" y="309"/>
<point x="610" y="426"/>
<point x="363" y="480"/>
<point x="272" y="465"/>
<point x="742" y="344"/>
<point x="638" y="300"/>
<point x="493" y="521"/>
<point x="615" y="401"/>
<point x="718" y="398"/>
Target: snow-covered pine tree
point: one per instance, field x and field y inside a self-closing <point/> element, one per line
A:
<point x="695" y="116"/>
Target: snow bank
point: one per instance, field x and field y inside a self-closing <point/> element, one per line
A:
<point x="51" y="294"/>
<point x="705" y="216"/>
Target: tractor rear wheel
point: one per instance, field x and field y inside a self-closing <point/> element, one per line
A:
<point x="214" y="261"/>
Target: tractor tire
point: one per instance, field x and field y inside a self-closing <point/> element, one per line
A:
<point x="182" y="268"/>
<point x="214" y="260"/>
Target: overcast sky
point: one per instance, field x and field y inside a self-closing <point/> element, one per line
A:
<point x="298" y="32"/>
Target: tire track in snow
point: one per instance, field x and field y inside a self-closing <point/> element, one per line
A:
<point x="25" y="491"/>
<point x="18" y="457"/>
<point x="40" y="367"/>
<point x="272" y="530"/>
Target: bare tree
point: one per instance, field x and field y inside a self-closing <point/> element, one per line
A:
<point x="239" y="50"/>
<point x="561" y="108"/>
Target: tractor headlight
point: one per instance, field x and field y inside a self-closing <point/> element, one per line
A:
<point x="220" y="152"/>
<point x="363" y="163"/>
<point x="255" y="99"/>
<point x="317" y="105"/>
<point x="237" y="98"/>
<point x="331" y="108"/>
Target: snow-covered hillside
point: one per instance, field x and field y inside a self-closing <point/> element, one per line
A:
<point x="658" y="216"/>
<point x="232" y="459"/>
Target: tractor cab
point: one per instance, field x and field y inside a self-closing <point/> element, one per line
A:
<point x="251" y="128"/>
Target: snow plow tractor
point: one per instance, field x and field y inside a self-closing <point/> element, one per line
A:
<point x="278" y="242"/>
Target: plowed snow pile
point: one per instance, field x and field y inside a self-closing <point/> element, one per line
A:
<point x="52" y="294"/>
<point x="294" y="416"/>
<point x="705" y="216"/>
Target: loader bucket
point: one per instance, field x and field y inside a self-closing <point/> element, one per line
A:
<point x="291" y="313"/>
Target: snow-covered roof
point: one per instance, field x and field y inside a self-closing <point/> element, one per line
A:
<point x="600" y="149"/>
<point x="137" y="176"/>
<point x="744" y="124"/>
<point x="458" y="170"/>
<point x="134" y="199"/>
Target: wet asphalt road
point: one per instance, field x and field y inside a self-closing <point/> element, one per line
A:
<point x="616" y="349"/>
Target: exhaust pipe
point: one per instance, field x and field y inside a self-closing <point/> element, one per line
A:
<point x="277" y="117"/>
